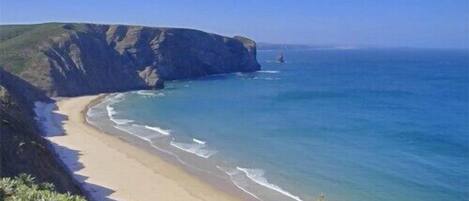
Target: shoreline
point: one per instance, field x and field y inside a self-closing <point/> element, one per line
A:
<point x="125" y="171"/>
<point x="241" y="181"/>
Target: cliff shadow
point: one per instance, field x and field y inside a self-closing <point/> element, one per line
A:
<point x="49" y="121"/>
<point x="70" y="158"/>
<point x="24" y="92"/>
<point x="41" y="120"/>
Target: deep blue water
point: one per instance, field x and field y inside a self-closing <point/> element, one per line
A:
<point x="357" y="125"/>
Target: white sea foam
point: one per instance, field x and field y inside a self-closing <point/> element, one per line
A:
<point x="257" y="175"/>
<point x="140" y="131"/>
<point x="91" y="112"/>
<point x="194" y="148"/>
<point x="47" y="119"/>
<point x="111" y="112"/>
<point x="198" y="141"/>
<point x="150" y="93"/>
<point x="119" y="96"/>
<point x="239" y="183"/>
<point x="143" y="132"/>
<point x="129" y="130"/>
<point x="95" y="113"/>
<point x="269" y="71"/>
<point x="133" y="130"/>
<point x="113" y="98"/>
<point x="239" y="74"/>
<point x="159" y="130"/>
<point x="266" y="78"/>
<point x="121" y="121"/>
<point x="145" y="93"/>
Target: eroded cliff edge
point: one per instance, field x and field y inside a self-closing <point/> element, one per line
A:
<point x="70" y="59"/>
<point x="74" y="59"/>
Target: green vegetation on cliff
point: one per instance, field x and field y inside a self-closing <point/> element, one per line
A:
<point x="70" y="59"/>
<point x="23" y="150"/>
<point x="19" y="44"/>
<point x="25" y="188"/>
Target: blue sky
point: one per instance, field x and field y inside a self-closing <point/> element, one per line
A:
<point x="386" y="23"/>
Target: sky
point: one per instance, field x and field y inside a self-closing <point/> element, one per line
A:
<point x="377" y="23"/>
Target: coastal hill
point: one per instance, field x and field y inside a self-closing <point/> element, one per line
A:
<point x="69" y="59"/>
<point x="41" y="61"/>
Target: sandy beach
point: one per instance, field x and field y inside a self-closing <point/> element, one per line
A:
<point x="110" y="169"/>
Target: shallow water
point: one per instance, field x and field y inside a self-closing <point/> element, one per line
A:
<point x="387" y="125"/>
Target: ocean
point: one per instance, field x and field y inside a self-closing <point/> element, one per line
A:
<point x="354" y="125"/>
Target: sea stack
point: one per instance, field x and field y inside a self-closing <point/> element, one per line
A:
<point x="280" y="58"/>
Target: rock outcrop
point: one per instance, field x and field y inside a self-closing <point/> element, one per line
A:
<point x="22" y="150"/>
<point x="76" y="59"/>
<point x="57" y="59"/>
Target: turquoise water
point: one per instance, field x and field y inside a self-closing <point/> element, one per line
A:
<point x="357" y="125"/>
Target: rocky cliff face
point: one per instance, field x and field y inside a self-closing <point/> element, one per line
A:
<point x="76" y="59"/>
<point x="56" y="59"/>
<point x="22" y="150"/>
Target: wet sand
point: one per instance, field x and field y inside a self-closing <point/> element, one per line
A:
<point x="111" y="169"/>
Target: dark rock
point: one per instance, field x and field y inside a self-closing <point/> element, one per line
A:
<point x="23" y="150"/>
<point x="89" y="58"/>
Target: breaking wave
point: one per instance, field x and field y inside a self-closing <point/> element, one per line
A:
<point x="198" y="141"/>
<point x="269" y="71"/>
<point x="150" y="93"/>
<point x="237" y="181"/>
<point x="194" y="148"/>
<point x="111" y="112"/>
<point x="159" y="130"/>
<point x="257" y="175"/>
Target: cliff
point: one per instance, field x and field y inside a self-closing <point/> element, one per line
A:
<point x="58" y="59"/>
<point x="74" y="59"/>
<point x="23" y="150"/>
